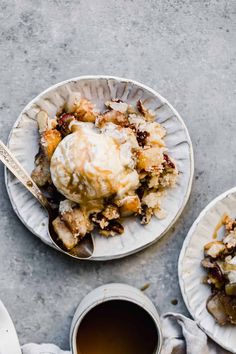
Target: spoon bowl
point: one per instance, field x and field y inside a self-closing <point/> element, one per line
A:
<point x="85" y="248"/>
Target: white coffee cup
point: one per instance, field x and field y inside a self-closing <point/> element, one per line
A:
<point x="111" y="292"/>
<point x="9" y="342"/>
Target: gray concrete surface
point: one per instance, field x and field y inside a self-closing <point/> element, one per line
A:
<point x="185" y="50"/>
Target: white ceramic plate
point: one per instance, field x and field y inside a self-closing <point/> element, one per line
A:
<point x="9" y="343"/>
<point x="23" y="142"/>
<point x="191" y="274"/>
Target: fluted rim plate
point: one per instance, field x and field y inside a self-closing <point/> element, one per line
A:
<point x="195" y="293"/>
<point x="23" y="142"/>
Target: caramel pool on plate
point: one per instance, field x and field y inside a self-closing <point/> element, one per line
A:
<point x="117" y="327"/>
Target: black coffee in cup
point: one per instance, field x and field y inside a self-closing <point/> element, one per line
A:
<point x="117" y="327"/>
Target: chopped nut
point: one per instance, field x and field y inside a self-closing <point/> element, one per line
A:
<point x="141" y="137"/>
<point x="148" y="115"/>
<point x="146" y="214"/>
<point x="63" y="123"/>
<point x="168" y="161"/>
<point x="145" y="287"/>
<point x="111" y="212"/>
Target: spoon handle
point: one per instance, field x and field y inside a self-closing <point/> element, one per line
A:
<point x="19" y="172"/>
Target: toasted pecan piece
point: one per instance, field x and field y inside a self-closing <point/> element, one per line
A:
<point x="146" y="214"/>
<point x="147" y="113"/>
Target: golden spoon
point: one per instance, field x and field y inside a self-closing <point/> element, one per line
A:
<point x="85" y="247"/>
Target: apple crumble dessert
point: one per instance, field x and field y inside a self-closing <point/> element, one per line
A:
<point x="220" y="263"/>
<point x="99" y="167"/>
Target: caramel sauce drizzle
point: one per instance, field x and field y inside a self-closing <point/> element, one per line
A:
<point x="219" y="225"/>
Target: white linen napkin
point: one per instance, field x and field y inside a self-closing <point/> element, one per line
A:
<point x="181" y="336"/>
<point x="47" y="348"/>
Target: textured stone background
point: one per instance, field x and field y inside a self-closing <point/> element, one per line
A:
<point x="183" y="49"/>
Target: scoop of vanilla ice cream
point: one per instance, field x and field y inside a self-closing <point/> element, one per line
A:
<point x="88" y="165"/>
<point x="126" y="139"/>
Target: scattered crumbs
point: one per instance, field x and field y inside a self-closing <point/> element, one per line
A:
<point x="29" y="184"/>
<point x="174" y="302"/>
<point x="200" y="173"/>
<point x="227" y="30"/>
<point x="145" y="287"/>
<point x="43" y="223"/>
<point x="173" y="229"/>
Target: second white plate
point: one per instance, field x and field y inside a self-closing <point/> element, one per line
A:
<point x="23" y="142"/>
<point x="191" y="273"/>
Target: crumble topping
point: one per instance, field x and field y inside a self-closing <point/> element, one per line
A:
<point x="100" y="167"/>
<point x="220" y="264"/>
